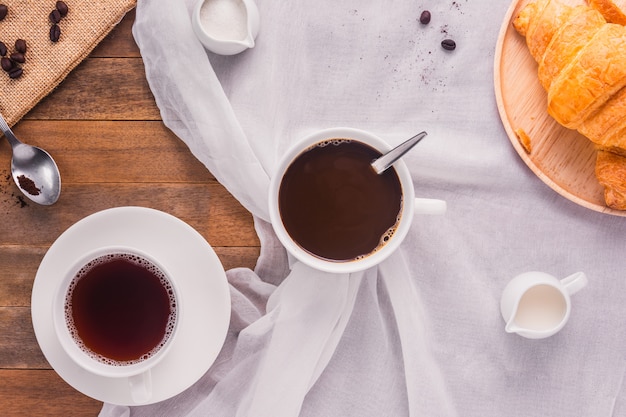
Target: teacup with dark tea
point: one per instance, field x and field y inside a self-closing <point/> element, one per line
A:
<point x="116" y="315"/>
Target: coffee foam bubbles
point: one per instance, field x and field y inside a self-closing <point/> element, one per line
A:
<point x="327" y="142"/>
<point x="137" y="260"/>
<point x="386" y="237"/>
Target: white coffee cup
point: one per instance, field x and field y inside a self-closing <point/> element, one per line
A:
<point x="137" y="371"/>
<point x="410" y="204"/>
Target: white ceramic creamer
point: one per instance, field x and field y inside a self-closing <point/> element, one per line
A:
<point x="226" y="27"/>
<point x="536" y="305"/>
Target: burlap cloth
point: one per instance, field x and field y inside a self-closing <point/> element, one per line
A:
<point x="48" y="63"/>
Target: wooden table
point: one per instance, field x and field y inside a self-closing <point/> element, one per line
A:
<point x="103" y="128"/>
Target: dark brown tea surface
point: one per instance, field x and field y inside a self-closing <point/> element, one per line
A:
<point x="334" y="205"/>
<point x="120" y="308"/>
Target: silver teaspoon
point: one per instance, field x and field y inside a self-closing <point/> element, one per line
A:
<point x="33" y="170"/>
<point x="383" y="162"/>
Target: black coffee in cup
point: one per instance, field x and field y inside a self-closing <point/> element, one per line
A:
<point x="120" y="308"/>
<point x="334" y="205"/>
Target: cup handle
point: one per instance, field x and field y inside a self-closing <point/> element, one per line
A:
<point x="430" y="206"/>
<point x="574" y="282"/>
<point x="141" y="387"/>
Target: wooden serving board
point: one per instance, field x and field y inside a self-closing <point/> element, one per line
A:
<point x="560" y="157"/>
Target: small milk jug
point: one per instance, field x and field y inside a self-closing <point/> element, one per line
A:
<point x="226" y="27"/>
<point x="536" y="305"/>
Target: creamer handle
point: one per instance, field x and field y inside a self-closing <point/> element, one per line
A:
<point x="574" y="282"/>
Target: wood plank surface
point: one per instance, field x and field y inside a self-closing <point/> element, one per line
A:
<point x="104" y="130"/>
<point x="42" y="393"/>
<point x="101" y="89"/>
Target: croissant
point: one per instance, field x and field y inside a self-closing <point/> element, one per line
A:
<point x="581" y="61"/>
<point x="611" y="10"/>
<point x="611" y="172"/>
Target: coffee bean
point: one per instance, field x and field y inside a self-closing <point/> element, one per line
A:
<point x="448" y="44"/>
<point x="20" y="46"/>
<point x="18" y="57"/>
<point x="6" y="64"/>
<point x="16" y="72"/>
<point x="425" y="17"/>
<point x="55" y="16"/>
<point x="3" y="49"/>
<point x="55" y="33"/>
<point x="3" y="11"/>
<point x="62" y="8"/>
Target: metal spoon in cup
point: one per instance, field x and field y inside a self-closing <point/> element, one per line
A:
<point x="34" y="171"/>
<point x="385" y="161"/>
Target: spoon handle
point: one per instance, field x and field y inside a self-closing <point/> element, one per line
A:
<point x="8" y="133"/>
<point x="385" y="161"/>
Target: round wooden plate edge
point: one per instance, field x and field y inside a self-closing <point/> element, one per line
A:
<point x="580" y="200"/>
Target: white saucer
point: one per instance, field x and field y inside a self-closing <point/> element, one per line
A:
<point x="185" y="254"/>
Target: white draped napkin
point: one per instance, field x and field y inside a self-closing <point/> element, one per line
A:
<point x="420" y="335"/>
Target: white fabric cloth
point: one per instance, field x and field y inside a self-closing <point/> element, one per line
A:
<point x="420" y="335"/>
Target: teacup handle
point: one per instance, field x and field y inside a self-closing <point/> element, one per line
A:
<point x="141" y="387"/>
<point x="430" y="206"/>
<point x="574" y="282"/>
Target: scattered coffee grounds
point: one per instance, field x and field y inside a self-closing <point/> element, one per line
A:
<point x="28" y="185"/>
<point x="21" y="201"/>
<point x="3" y="11"/>
<point x="448" y="44"/>
<point x="8" y="197"/>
